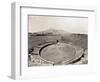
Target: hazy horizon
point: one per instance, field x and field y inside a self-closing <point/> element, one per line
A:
<point x="68" y="24"/>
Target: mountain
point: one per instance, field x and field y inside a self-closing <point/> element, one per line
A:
<point x="50" y="32"/>
<point x="50" y="35"/>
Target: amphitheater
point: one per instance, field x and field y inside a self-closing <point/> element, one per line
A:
<point x="55" y="50"/>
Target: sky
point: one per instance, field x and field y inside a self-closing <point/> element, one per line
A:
<point x="68" y="24"/>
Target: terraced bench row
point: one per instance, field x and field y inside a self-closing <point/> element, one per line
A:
<point x="37" y="50"/>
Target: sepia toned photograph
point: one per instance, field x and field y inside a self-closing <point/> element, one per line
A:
<point x="57" y="40"/>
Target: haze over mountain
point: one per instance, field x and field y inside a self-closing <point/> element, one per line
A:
<point x="50" y="32"/>
<point x="60" y="35"/>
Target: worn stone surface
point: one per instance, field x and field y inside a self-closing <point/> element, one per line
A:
<point x="59" y="50"/>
